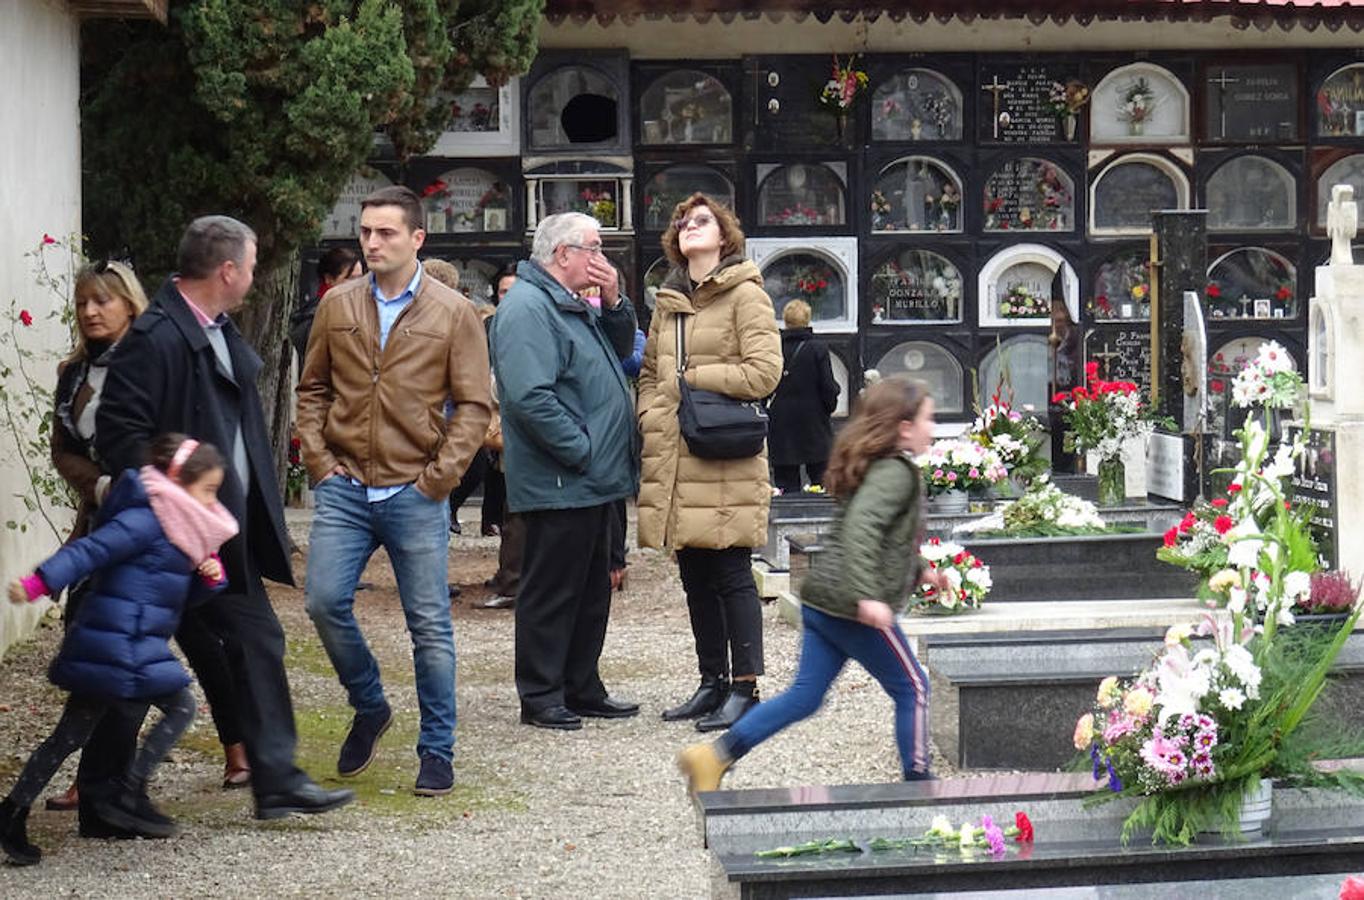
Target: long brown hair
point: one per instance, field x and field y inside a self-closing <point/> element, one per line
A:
<point x="731" y="235"/>
<point x="873" y="432"/>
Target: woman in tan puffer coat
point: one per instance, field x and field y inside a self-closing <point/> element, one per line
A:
<point x="713" y="512"/>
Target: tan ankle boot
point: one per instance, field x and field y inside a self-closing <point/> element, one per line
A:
<point x="703" y="767"/>
<point x="237" y="768"/>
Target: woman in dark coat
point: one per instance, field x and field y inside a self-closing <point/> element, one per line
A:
<point x="799" y="431"/>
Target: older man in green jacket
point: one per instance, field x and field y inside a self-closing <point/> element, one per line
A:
<point x="570" y="442"/>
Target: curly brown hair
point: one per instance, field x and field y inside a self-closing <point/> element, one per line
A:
<point x="731" y="235"/>
<point x="872" y="432"/>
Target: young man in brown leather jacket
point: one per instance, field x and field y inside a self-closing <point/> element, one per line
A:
<point x="385" y="353"/>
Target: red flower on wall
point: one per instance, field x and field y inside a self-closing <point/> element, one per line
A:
<point x="1283" y="294"/>
<point x="49" y="239"/>
<point x="26" y="317"/>
<point x="1213" y="290"/>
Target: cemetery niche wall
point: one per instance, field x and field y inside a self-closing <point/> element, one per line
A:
<point x="936" y="206"/>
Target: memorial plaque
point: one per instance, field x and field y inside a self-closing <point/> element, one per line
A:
<point x="1127" y="193"/>
<point x="459" y="200"/>
<point x="1251" y="104"/>
<point x="1340" y="103"/>
<point x="1123" y="353"/>
<point x="1029" y="194"/>
<point x="917" y="285"/>
<point x="1313" y="483"/>
<point x="1018" y="104"/>
<point x="1166" y="467"/>
<point x="344" y="219"/>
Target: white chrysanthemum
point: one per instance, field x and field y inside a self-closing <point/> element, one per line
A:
<point x="934" y="552"/>
<point x="1231" y="698"/>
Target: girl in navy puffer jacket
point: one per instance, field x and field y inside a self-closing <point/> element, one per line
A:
<point x="158" y="527"/>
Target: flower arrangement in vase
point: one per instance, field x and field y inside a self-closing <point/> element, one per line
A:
<point x="1016" y="437"/>
<point x="845" y="84"/>
<point x="1136" y="105"/>
<point x="1065" y="100"/>
<point x="960" y="465"/>
<point x="1199" y="729"/>
<point x="1100" y="417"/>
<point x="600" y="205"/>
<point x="1021" y="303"/>
<point x="968" y="579"/>
<point x="880" y="211"/>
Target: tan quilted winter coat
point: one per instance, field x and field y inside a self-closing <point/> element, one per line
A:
<point x="732" y="347"/>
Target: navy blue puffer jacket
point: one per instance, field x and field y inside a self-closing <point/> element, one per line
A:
<point x="118" y="647"/>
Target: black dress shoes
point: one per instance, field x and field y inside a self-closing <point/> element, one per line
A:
<point x="605" y="708"/>
<point x="559" y="718"/>
<point x="705" y="701"/>
<point x="309" y="798"/>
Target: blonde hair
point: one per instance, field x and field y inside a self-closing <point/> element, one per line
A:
<point x="447" y="273"/>
<point x="114" y="279"/>
<point x="796" y="314"/>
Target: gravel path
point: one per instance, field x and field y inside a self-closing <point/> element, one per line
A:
<point x="600" y="813"/>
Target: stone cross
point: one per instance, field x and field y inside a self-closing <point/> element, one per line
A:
<point x="1342" y="222"/>
<point x="995" y="88"/>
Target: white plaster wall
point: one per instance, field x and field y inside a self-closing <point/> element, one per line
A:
<point x="39" y="193"/>
<point x="689" y="39"/>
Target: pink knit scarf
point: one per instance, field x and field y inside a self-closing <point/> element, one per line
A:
<point x="195" y="529"/>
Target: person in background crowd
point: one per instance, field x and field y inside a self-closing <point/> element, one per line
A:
<point x="711" y="511"/>
<point x="799" y="431"/>
<point x="852" y="597"/>
<point x="569" y="439"/>
<point x="506" y="581"/>
<point x="207" y="389"/>
<point x="388" y="353"/>
<point x="336" y="265"/>
<point x="619" y="514"/>
<point x="161" y="526"/>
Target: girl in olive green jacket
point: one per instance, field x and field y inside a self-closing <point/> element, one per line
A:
<point x="857" y="587"/>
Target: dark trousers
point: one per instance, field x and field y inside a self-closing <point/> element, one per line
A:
<point x="787" y="478"/>
<point x="618" y="524"/>
<point x="208" y="658"/>
<point x="510" y="551"/>
<point x="726" y="614"/>
<point x="253" y="642"/>
<point x="562" y="607"/>
<point x="482" y="470"/>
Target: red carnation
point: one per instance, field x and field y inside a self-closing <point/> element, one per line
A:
<point x="1171" y="536"/>
<point x="1059" y="397"/>
<point x="1080" y="394"/>
<point x="1233" y="489"/>
<point x="1024" y="827"/>
<point x="1283" y="293"/>
<point x="1219" y="502"/>
<point x="26" y="317"/>
<point x="1223" y="524"/>
<point x="49" y="239"/>
<point x="1092" y="369"/>
<point x="1213" y="290"/>
<point x="959" y="558"/>
<point x="1187" y="522"/>
<point x="1216" y="386"/>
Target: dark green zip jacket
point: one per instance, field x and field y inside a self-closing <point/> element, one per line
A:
<point x="872" y="553"/>
<point x="568" y="421"/>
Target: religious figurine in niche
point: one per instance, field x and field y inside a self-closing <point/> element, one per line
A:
<point x="948" y="204"/>
<point x="1055" y="198"/>
<point x="918" y="186"/>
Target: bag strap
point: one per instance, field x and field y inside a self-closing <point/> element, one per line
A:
<point x="790" y="363"/>
<point x="681" y="327"/>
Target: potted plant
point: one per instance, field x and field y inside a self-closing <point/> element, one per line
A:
<point x="968" y="580"/>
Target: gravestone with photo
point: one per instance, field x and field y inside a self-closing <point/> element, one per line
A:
<point x="1024" y="103"/>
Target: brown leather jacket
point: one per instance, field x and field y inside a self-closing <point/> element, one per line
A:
<point x="381" y="414"/>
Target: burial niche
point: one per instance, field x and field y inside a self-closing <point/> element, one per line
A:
<point x="1122" y="287"/>
<point x="1349" y="170"/>
<point x="465" y="200"/>
<point x="1252" y="283"/>
<point x="1140" y="103"/>
<point x="1016" y="285"/>
<point x="344" y="219"/>
<point x="810" y="276"/>
<point x="1029" y="194"/>
<point x="675" y="184"/>
<point x="1252" y="193"/>
<point x="934" y="366"/>
<point x="687" y="106"/>
<point x="916" y="286"/>
<point x="800" y="194"/>
<point x="476" y="279"/>
<point x="916" y="105"/>
<point x="572" y="106"/>
<point x="1223" y="365"/>
<point x="1028" y="363"/>
<point x="1128" y="191"/>
<point x="1340" y="104"/>
<point x="916" y="193"/>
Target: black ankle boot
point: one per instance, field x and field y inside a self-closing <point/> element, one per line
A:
<point x="706" y="700"/>
<point x="743" y="696"/>
<point x="14" y="835"/>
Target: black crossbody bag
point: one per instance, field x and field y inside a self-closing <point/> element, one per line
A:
<point x="713" y="425"/>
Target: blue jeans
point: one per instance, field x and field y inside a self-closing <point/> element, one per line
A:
<point x="414" y="529"/>
<point x="827" y="643"/>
